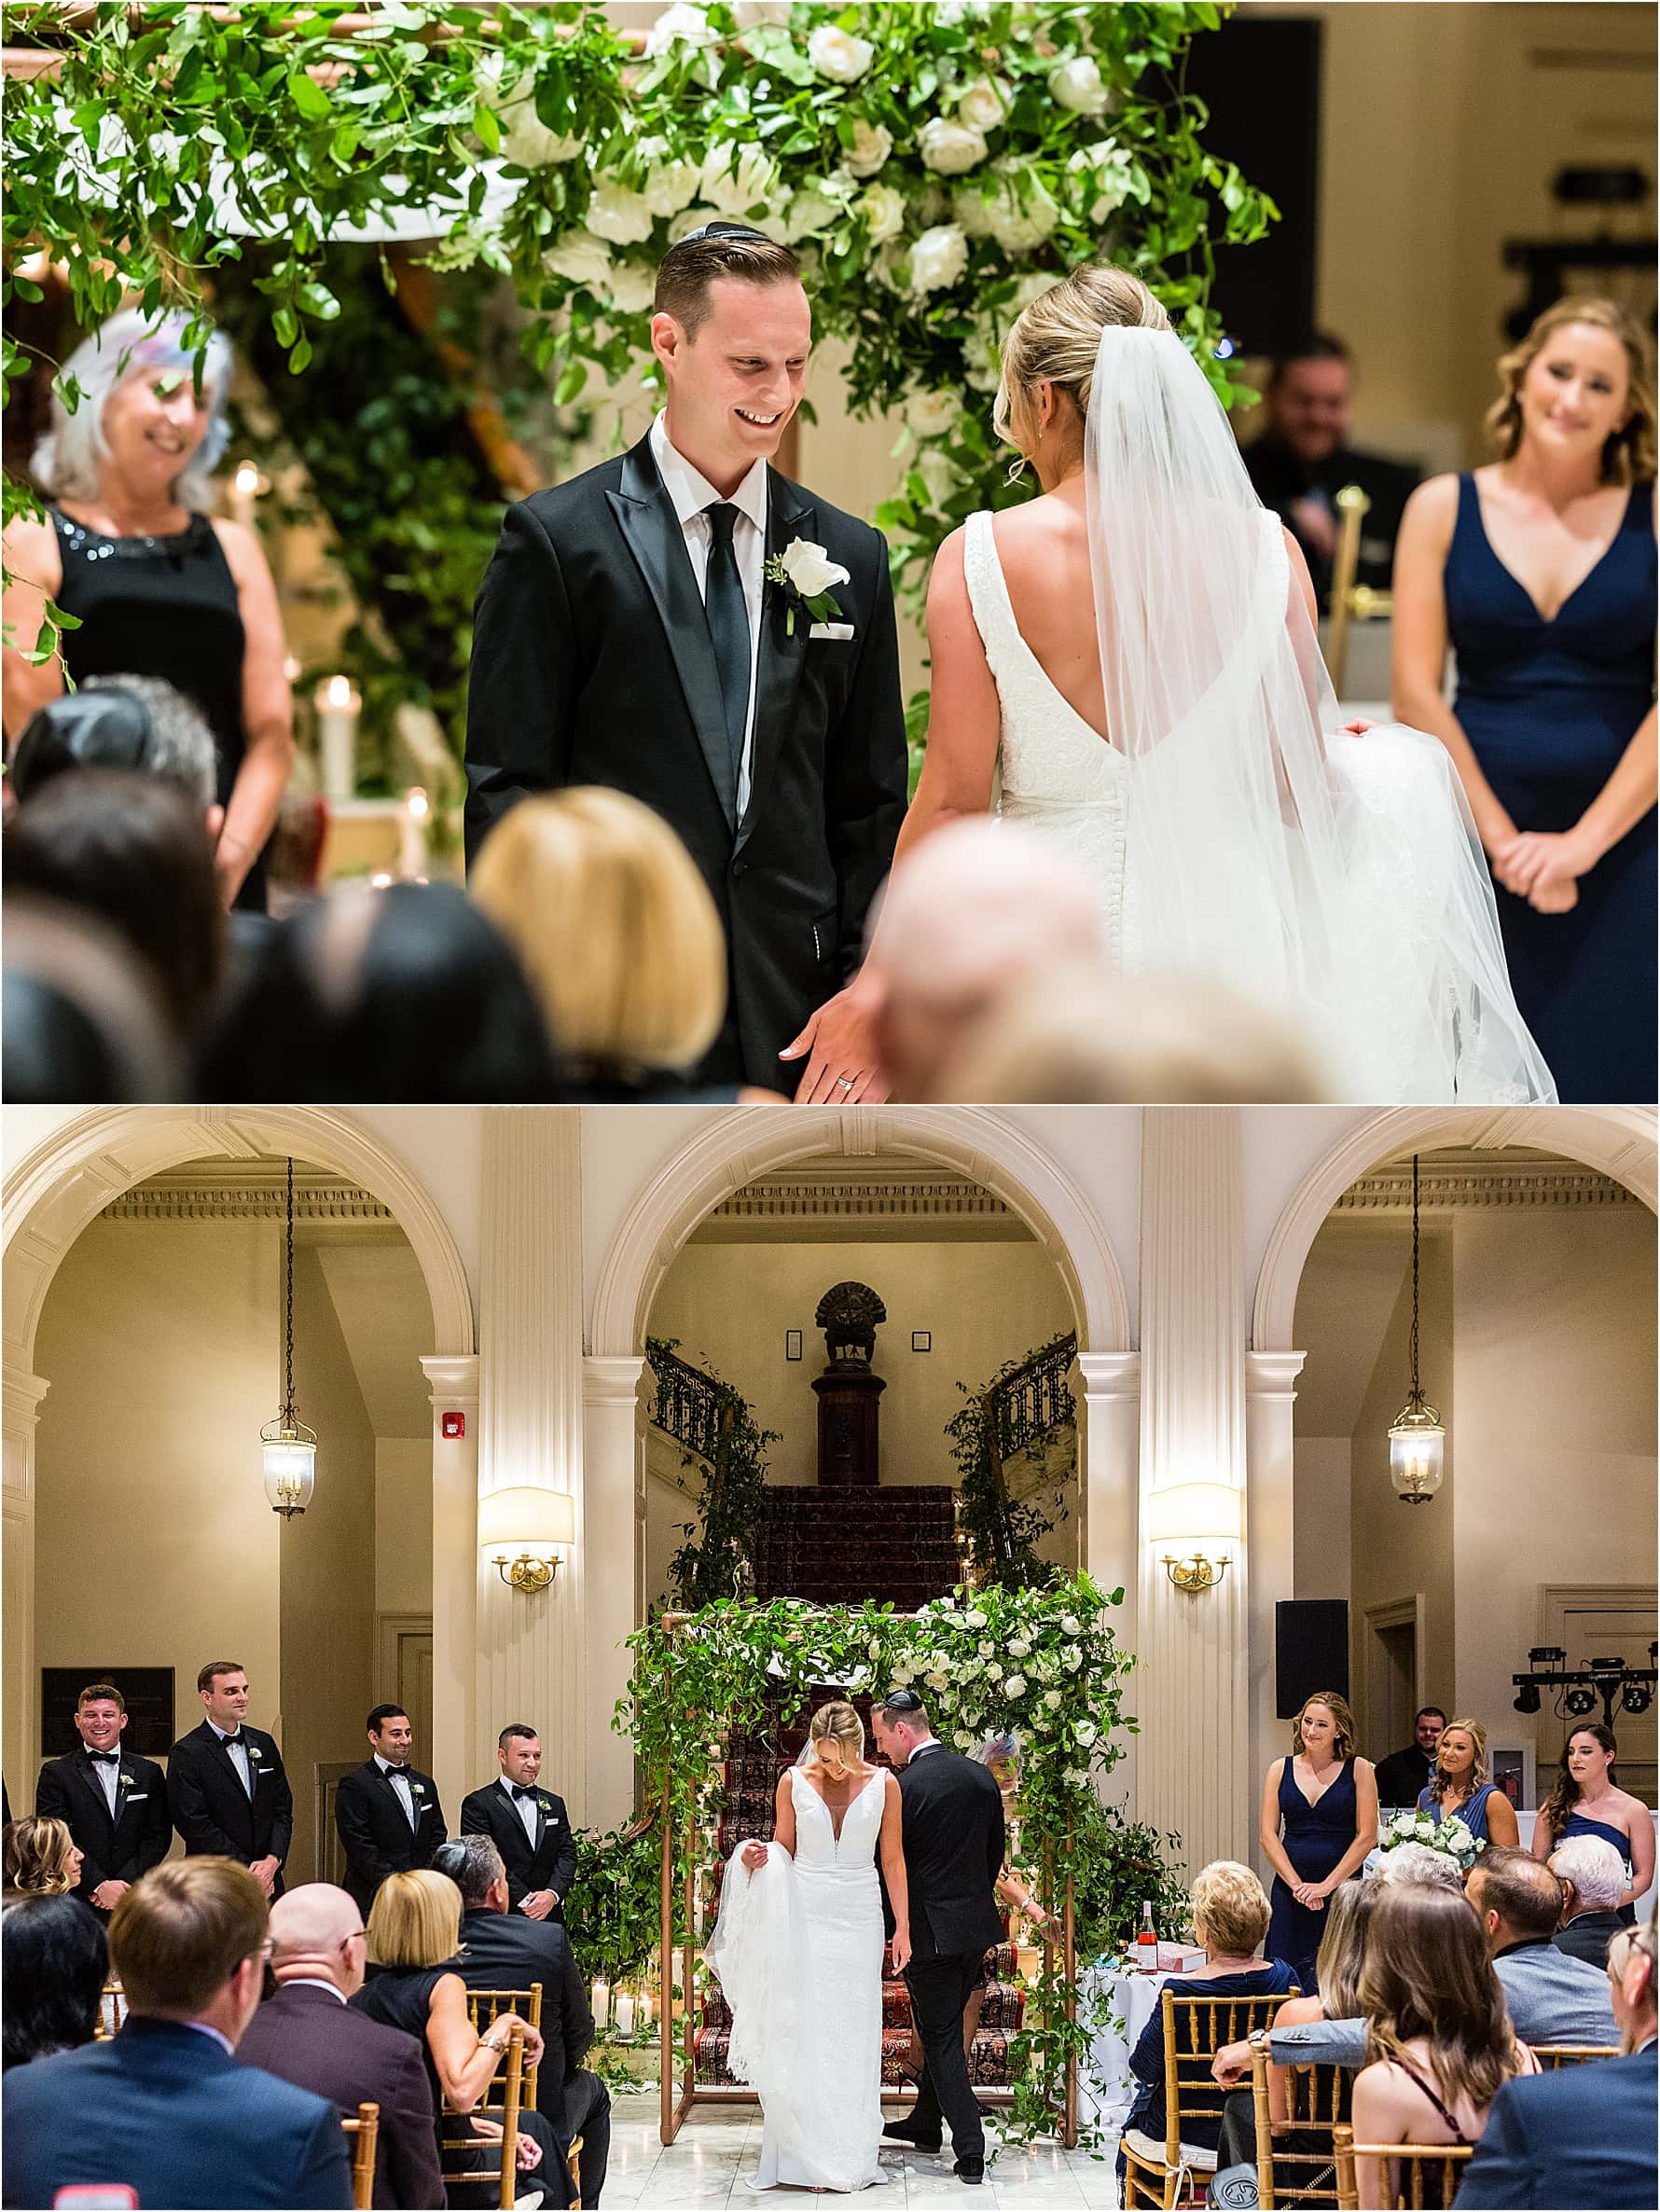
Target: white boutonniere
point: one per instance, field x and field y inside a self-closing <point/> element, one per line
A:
<point x="417" y="1789"/>
<point x="254" y="1753"/>
<point x="804" y="575"/>
<point x="123" y="1781"/>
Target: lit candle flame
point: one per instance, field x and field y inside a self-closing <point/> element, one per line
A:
<point x="336" y="692"/>
<point x="417" y="802"/>
<point x="247" y="478"/>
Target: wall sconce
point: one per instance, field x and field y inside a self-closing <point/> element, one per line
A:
<point x="1200" y="1525"/>
<point x="522" y="1530"/>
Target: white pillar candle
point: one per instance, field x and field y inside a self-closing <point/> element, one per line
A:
<point x="338" y="708"/>
<point x="243" y="490"/>
<point x="625" y="2014"/>
<point x="645" y="2011"/>
<point x="601" y="2001"/>
<point x="412" y="857"/>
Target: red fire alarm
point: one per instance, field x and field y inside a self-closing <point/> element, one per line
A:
<point x="455" y="1424"/>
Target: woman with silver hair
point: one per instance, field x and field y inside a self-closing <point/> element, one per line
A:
<point x="159" y="585"/>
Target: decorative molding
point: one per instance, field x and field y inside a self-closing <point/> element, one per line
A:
<point x="253" y="1192"/>
<point x="829" y="1203"/>
<point x="1465" y="1180"/>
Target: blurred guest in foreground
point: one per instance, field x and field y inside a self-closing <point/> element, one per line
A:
<point x="120" y="722"/>
<point x="1303" y="459"/>
<point x="1540" y="571"/>
<point x="162" y="2108"/>
<point x="1593" y="1874"/>
<point x="159" y="586"/>
<point x="615" y="929"/>
<point x="1579" y="2138"/>
<point x="408" y="995"/>
<point x="41" y="1858"/>
<point x="83" y="1017"/>
<point x="54" y="1959"/>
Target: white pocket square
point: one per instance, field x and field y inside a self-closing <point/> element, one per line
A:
<point x="838" y="632"/>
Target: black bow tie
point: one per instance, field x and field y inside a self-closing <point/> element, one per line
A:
<point x="229" y="1740"/>
<point x="105" y="1758"/>
<point x="518" y="1794"/>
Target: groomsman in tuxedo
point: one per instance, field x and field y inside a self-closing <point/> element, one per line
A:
<point x="225" y="1782"/>
<point x="528" y="1826"/>
<point x="387" y="1812"/>
<point x="113" y="1803"/>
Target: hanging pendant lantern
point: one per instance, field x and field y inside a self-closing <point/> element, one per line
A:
<point x="1417" y="1438"/>
<point x="288" y="1449"/>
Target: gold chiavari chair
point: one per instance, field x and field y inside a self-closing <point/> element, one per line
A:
<point x="460" y="2137"/>
<point x="1350" y="602"/>
<point x="1299" y="2169"/>
<point x="485" y="2005"/>
<point x="1426" y="2175"/>
<point x="367" y="2129"/>
<point x="1195" y="2030"/>
<point x="1550" y="2056"/>
<point x="574" y="2160"/>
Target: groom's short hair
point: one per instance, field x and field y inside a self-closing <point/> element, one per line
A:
<point x="688" y="270"/>
<point x="904" y="1708"/>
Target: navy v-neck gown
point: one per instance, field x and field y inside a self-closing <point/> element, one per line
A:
<point x="1315" y="1837"/>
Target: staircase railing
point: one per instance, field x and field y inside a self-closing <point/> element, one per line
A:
<point x="687" y="1405"/>
<point x="1023" y="1409"/>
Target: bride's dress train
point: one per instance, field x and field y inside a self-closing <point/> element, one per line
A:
<point x="797" y="1950"/>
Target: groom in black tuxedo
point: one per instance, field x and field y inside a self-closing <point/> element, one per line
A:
<point x="386" y="1812"/>
<point x="229" y="1796"/>
<point x="626" y="634"/>
<point x="528" y="1825"/>
<point x="952" y="1829"/>
<point x="113" y="1803"/>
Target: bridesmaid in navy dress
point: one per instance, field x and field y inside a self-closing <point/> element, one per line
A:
<point x="1319" y="1821"/>
<point x="1460" y="1789"/>
<point x="1587" y="1801"/>
<point x="1541" y="573"/>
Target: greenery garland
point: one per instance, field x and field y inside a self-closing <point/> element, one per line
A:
<point x="718" y="1558"/>
<point x="936" y="167"/>
<point x="1045" y="1662"/>
<point x="1003" y="1536"/>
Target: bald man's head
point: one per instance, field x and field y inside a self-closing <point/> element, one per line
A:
<point x="977" y="907"/>
<point x="317" y="1929"/>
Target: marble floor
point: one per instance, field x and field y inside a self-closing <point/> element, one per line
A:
<point x="703" y="2167"/>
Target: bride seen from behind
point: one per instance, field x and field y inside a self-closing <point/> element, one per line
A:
<point x="1129" y="663"/>
<point x="797" y="1951"/>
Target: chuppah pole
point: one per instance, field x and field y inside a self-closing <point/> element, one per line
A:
<point x="667" y="2120"/>
<point x="1069" y="1967"/>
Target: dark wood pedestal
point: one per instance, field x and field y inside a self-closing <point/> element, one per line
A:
<point x="849" y="1399"/>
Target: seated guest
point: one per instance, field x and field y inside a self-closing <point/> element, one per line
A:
<point x="308" y="2034"/>
<point x="1230" y="1918"/>
<point x="162" y="2108"/>
<point x="501" y="1949"/>
<point x="1568" y="2139"/>
<point x="83" y="1017"/>
<point x="226" y="1785"/>
<point x="1552" y="1998"/>
<point x="113" y="1803"/>
<point x="1460" y="1789"/>
<point x="54" y="1960"/>
<point x="1593" y="1874"/>
<point x="414" y="1984"/>
<point x="1404" y="1775"/>
<point x="527" y="1824"/>
<point x="1303" y="459"/>
<point x="620" y="938"/>
<point x="1439" y="2043"/>
<point x="387" y="1812"/>
<point x="138" y="722"/>
<point x="42" y="1858"/>
<point x="1416" y="1863"/>
<point x="131" y="851"/>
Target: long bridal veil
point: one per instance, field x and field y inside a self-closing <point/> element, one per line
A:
<point x="1336" y="877"/>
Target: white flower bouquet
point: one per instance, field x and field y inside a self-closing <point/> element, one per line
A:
<point x="1449" y="1836"/>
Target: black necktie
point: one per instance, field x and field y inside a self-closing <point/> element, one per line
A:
<point x="105" y="1758"/>
<point x="729" y="627"/>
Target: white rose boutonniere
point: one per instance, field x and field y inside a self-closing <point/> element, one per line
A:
<point x="804" y="575"/>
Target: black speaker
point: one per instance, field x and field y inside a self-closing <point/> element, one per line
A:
<point x="1310" y="1652"/>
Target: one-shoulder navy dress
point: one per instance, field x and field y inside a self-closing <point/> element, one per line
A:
<point x="1315" y="1837"/>
<point x="1548" y="709"/>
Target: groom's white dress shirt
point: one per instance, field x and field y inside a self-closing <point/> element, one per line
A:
<point x="400" y="1787"/>
<point x="237" y="1745"/>
<point x="691" y="492"/>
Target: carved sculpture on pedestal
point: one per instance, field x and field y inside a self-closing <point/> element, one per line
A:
<point x="847" y="1392"/>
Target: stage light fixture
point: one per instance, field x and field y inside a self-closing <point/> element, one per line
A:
<point x="1580" y="1700"/>
<point x="1527" y="1698"/>
<point x="1637" y="1698"/>
<point x="1547" y="1655"/>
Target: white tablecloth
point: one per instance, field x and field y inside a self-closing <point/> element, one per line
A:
<point x="1107" y="2086"/>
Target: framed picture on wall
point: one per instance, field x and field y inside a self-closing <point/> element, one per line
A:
<point x="1513" y="1771"/>
<point x="149" y="1693"/>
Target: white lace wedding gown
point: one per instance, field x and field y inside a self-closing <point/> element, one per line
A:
<point x="1412" y="1002"/>
<point x="797" y="1950"/>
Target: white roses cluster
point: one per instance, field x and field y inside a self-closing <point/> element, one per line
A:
<point x="838" y="55"/>
<point x="1077" y="84"/>
<point x="525" y="138"/>
<point x="736" y="177"/>
<point x="950" y="149"/>
<point x="939" y="258"/>
<point x="1106" y="175"/>
<point x="680" y="25"/>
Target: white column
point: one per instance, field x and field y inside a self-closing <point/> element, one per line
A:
<point x="454" y="1749"/>
<point x="1190" y="1690"/>
<point x="22" y="1395"/>
<point x="610" y="1516"/>
<point x="1270" y="1387"/>
<point x="532" y="1648"/>
<point x="1109" y="1446"/>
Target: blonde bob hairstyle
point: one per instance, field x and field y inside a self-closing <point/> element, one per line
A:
<point x="1230" y="1908"/>
<point x="415" y="1920"/>
<point x="612" y="925"/>
<point x="1339" y="1708"/>
<point x="1628" y="454"/>
<point x="1055" y="340"/>
<point x="836" y="1738"/>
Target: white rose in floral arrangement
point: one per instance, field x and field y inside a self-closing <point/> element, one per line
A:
<point x="1077" y="1775"/>
<point x="838" y="55"/>
<point x="984" y="105"/>
<point x="950" y="149"/>
<point x="809" y="215"/>
<point x="1108" y="172"/>
<point x="631" y="287"/>
<point x="670" y="183"/>
<point x="680" y="25"/>
<point x="940" y="472"/>
<point x="1018" y="1647"/>
<point x="1073" y="1658"/>
<point x="1083" y="1732"/>
<point x="939" y="258"/>
<point x="1052" y="1699"/>
<point x="883" y="210"/>
<point x="619" y="215"/>
<point x="1019" y="223"/>
<point x="872" y="145"/>
<point x="1071" y="1625"/>
<point x="931" y="414"/>
<point x="977" y="1620"/>
<point x="994" y="1670"/>
<point x="1077" y="84"/>
<point x="963" y="1739"/>
<point x="525" y="138"/>
<point x="969" y="212"/>
<point x="1015" y="1686"/>
<point x="738" y="177"/>
<point x="936" y="1681"/>
<point x="580" y="258"/>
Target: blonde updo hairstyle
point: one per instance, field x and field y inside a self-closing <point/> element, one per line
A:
<point x="1628" y="455"/>
<point x="836" y="1738"/>
<point x="1056" y="339"/>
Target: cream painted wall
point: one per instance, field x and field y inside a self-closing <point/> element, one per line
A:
<point x="1321" y="1539"/>
<point x="154" y="1544"/>
<point x="730" y="1304"/>
<point x="403" y="1525"/>
<point x="327" y="1621"/>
